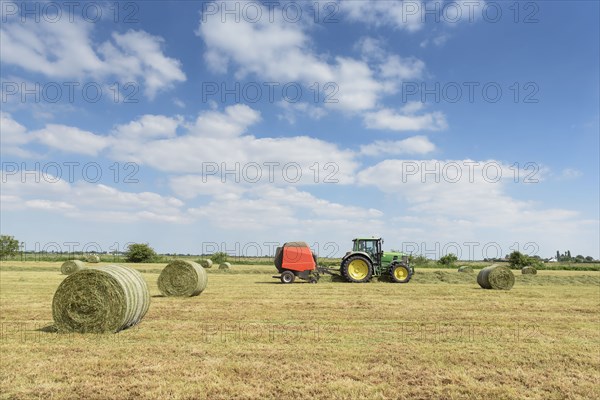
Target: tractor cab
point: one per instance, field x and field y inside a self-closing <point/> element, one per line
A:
<point x="371" y="246"/>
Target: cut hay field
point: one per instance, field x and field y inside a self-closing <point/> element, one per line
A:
<point x="247" y="336"/>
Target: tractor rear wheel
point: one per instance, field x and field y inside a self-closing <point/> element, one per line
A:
<point x="287" y="277"/>
<point x="357" y="269"/>
<point x="400" y="273"/>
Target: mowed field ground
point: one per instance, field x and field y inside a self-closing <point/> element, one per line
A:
<point x="250" y="337"/>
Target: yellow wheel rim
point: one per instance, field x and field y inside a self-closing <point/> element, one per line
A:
<point x="358" y="269"/>
<point x="401" y="273"/>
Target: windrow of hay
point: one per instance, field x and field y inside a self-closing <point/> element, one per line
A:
<point x="92" y="258"/>
<point x="225" y="265"/>
<point x="68" y="267"/>
<point x="496" y="277"/>
<point x="206" y="263"/>
<point x="465" y="268"/>
<point x="100" y="300"/>
<point x="529" y="270"/>
<point x="182" y="278"/>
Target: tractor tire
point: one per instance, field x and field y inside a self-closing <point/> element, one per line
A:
<point x="400" y="273"/>
<point x="287" y="277"/>
<point x="357" y="269"/>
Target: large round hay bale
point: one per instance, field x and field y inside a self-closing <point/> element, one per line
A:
<point x="100" y="300"/>
<point x="529" y="270"/>
<point x="92" y="258"/>
<point x="182" y="278"/>
<point x="68" y="267"/>
<point x="496" y="277"/>
<point x="465" y="268"/>
<point x="225" y="265"/>
<point x="206" y="263"/>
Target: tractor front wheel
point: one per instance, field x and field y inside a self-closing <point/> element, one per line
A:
<point x="287" y="277"/>
<point x="400" y="273"/>
<point x="357" y="269"/>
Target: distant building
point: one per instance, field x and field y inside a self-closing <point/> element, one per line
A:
<point x="552" y="259"/>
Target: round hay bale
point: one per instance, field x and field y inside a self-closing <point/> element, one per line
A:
<point x="92" y="258"/>
<point x="529" y="270"/>
<point x="225" y="265"/>
<point x="206" y="263"/>
<point x="68" y="267"/>
<point x="496" y="277"/>
<point x="182" y="278"/>
<point x="100" y="300"/>
<point x="465" y="268"/>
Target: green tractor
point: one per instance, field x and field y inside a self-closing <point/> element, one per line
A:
<point x="367" y="260"/>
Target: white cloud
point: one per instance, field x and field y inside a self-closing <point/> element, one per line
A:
<point x="411" y="145"/>
<point x="71" y="140"/>
<point x="370" y="48"/>
<point x="470" y="193"/>
<point x="570" y="173"/>
<point x="291" y="111"/>
<point x="401" y="69"/>
<point x="359" y="89"/>
<point x="220" y="138"/>
<point x="48" y="205"/>
<point x="148" y="127"/>
<point x="232" y="122"/>
<point x="412" y="107"/>
<point x="388" y="119"/>
<point x="86" y="201"/>
<point x="390" y="69"/>
<point x="13" y="133"/>
<point x="190" y="186"/>
<point x="266" y="207"/>
<point x="282" y="52"/>
<point x="438" y="41"/>
<point x="295" y="198"/>
<point x="61" y="49"/>
<point x="216" y="137"/>
<point x="412" y="15"/>
<point x="406" y="15"/>
<point x="138" y="55"/>
<point x="179" y="103"/>
<point x="66" y="50"/>
<point x="277" y="51"/>
<point x="13" y="136"/>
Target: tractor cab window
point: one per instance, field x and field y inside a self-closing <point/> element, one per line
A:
<point x="367" y="246"/>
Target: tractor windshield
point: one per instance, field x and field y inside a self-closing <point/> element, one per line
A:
<point x="367" y="246"/>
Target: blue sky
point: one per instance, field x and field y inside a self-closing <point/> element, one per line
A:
<point x="497" y="100"/>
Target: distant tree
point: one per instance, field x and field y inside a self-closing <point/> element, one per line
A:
<point x="418" y="260"/>
<point x="569" y="255"/>
<point x="579" y="258"/>
<point x="448" y="259"/>
<point x="139" y="252"/>
<point x="219" y="257"/>
<point x="589" y="258"/>
<point x="557" y="255"/>
<point x="9" y="246"/>
<point x="564" y="257"/>
<point x="518" y="260"/>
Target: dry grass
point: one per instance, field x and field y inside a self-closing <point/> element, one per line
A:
<point x="250" y="337"/>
